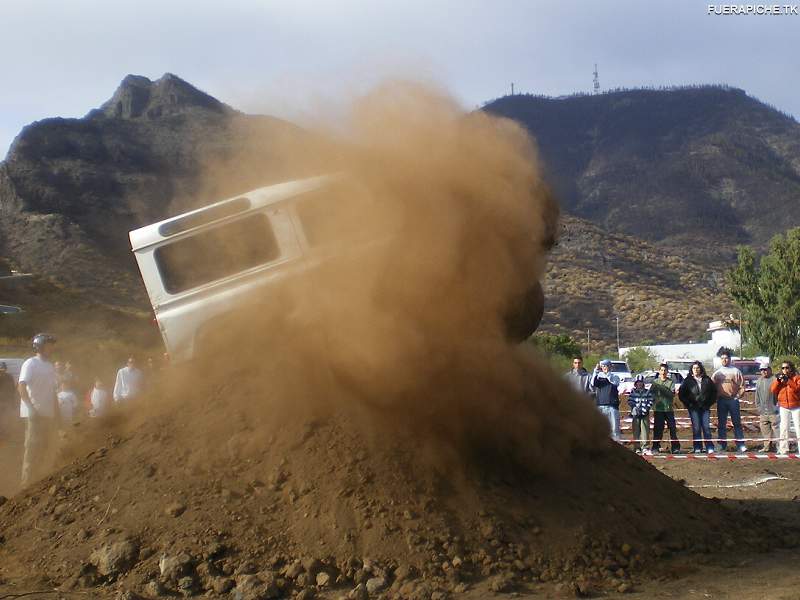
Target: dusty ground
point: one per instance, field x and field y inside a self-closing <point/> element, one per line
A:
<point x="730" y="573"/>
<point x="335" y="493"/>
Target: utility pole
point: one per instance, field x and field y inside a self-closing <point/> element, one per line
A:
<point x="596" y="80"/>
<point x="588" y="344"/>
<point x="512" y="88"/>
<point x="741" y="335"/>
<point x="617" y="318"/>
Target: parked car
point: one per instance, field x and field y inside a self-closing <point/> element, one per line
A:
<point x="649" y="376"/>
<point x="681" y="366"/>
<point x="749" y="369"/>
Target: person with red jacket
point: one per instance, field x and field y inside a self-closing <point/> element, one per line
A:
<point x="787" y="388"/>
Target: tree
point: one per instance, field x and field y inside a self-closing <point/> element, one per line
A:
<point x="641" y="359"/>
<point x="768" y="292"/>
<point x="556" y="344"/>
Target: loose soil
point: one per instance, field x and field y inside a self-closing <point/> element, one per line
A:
<point x="329" y="502"/>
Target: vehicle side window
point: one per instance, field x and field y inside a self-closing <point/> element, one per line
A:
<point x="216" y="253"/>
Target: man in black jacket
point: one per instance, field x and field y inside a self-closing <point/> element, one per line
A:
<point x="605" y="386"/>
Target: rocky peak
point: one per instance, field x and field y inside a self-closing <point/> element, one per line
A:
<point x="138" y="97"/>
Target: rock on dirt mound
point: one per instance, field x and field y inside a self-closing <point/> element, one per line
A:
<point x="233" y="499"/>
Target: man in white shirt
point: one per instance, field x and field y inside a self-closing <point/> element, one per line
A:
<point x="129" y="382"/>
<point x="38" y="406"/>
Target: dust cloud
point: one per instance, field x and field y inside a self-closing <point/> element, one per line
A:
<point x="437" y="230"/>
<point x="425" y="247"/>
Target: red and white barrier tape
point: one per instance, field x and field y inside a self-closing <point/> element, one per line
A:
<point x="723" y="456"/>
<point x="690" y="440"/>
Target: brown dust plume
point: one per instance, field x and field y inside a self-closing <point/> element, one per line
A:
<point x="440" y="229"/>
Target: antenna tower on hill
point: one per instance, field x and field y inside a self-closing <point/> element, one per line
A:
<point x="596" y="80"/>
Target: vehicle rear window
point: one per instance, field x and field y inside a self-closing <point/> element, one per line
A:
<point x="216" y="253"/>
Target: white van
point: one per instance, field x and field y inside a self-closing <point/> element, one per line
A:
<point x="200" y="265"/>
<point x="197" y="265"/>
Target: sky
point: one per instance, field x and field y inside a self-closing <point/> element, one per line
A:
<point x="298" y="58"/>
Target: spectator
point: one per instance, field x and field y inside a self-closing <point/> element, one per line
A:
<point x="67" y="404"/>
<point x="8" y="392"/>
<point x="698" y="394"/>
<point x="99" y="402"/>
<point x="640" y="400"/>
<point x="578" y="377"/>
<point x="730" y="387"/>
<point x="767" y="405"/>
<point x="787" y="388"/>
<point x="605" y="387"/>
<point x="663" y="389"/>
<point x="129" y="382"/>
<point x="39" y="406"/>
<point x="69" y="377"/>
<point x="8" y="400"/>
<point x="59" y="370"/>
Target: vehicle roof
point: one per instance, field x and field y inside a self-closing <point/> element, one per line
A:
<point x="258" y="198"/>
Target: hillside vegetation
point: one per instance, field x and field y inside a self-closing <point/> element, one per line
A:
<point x="659" y="296"/>
<point x="696" y="170"/>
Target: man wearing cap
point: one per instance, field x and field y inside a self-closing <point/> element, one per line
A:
<point x="605" y="387"/>
<point x="38" y="406"/>
<point x="767" y="405"/>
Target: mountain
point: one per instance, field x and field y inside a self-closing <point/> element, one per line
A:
<point x="696" y="170"/>
<point x="657" y="188"/>
<point x="594" y="276"/>
<point x="71" y="189"/>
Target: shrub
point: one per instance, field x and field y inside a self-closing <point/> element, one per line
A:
<point x="641" y="359"/>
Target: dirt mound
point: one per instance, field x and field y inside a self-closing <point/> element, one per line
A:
<point x="229" y="496"/>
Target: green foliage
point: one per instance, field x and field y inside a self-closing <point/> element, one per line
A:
<point x="556" y="344"/>
<point x="641" y="359"/>
<point x="559" y="349"/>
<point x="751" y="349"/>
<point x="776" y="362"/>
<point x="768" y="291"/>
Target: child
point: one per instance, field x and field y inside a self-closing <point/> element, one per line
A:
<point x="67" y="404"/>
<point x="99" y="399"/>
<point x="640" y="401"/>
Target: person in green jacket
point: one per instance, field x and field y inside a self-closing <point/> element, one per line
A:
<point x="663" y="388"/>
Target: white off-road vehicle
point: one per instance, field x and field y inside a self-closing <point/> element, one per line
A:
<point x="202" y="265"/>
